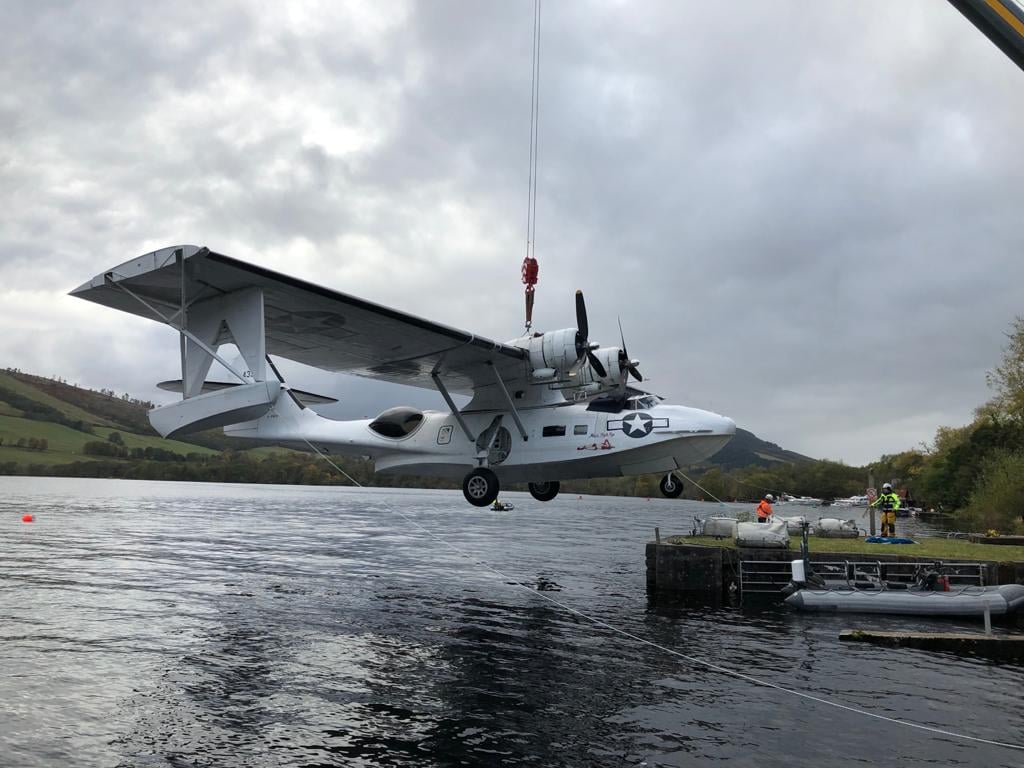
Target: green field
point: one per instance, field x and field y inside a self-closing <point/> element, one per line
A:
<point x="61" y="439"/>
<point x="941" y="549"/>
<point x="71" y="411"/>
<point x="66" y="444"/>
<point x="132" y="440"/>
<point x="7" y="410"/>
<point x="265" y="451"/>
<point x="24" y="457"/>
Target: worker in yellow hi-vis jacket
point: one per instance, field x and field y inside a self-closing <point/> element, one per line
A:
<point x="888" y="502"/>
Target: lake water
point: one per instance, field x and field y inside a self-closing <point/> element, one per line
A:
<point x="175" y="624"/>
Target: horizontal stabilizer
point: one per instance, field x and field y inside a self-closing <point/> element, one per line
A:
<point x="306" y="398"/>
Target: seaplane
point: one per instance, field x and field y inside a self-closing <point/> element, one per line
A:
<point x="542" y="408"/>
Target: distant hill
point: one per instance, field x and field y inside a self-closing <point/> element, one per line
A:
<point x="48" y="422"/>
<point x="746" y="449"/>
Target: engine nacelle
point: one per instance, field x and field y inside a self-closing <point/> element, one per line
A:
<point x="558" y="351"/>
<point x="610" y="357"/>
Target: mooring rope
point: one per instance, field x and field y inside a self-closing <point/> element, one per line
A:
<point x="672" y="652"/>
<point x="694" y="482"/>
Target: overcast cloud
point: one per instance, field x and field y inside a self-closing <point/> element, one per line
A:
<point x="806" y="214"/>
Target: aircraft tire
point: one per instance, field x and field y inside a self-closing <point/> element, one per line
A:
<point x="671" y="486"/>
<point x="544" y="491"/>
<point x="480" y="487"/>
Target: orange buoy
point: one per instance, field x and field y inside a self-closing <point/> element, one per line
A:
<point x="27" y="518"/>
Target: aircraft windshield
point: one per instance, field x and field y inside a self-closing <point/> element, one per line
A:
<point x="641" y="403"/>
<point x="611" y="404"/>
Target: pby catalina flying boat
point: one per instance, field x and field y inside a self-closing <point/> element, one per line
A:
<point x="543" y="408"/>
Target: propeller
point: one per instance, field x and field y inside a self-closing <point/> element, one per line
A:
<point x="624" y="362"/>
<point x="582" y="336"/>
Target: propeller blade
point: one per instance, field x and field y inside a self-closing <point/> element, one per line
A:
<point x="595" y="363"/>
<point x="624" y="362"/>
<point x="581" y="316"/>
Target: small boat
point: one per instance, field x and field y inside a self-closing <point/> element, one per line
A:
<point x="930" y="594"/>
<point x="965" y="601"/>
<point x="851" y="501"/>
<point x="806" y="501"/>
<point x="502" y="506"/>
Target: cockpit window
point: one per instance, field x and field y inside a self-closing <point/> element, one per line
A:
<point x="397" y="422"/>
<point x="641" y="402"/>
<point x="612" y="404"/>
<point x="606" y="404"/>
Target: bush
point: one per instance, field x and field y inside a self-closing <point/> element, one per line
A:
<point x="104" y="448"/>
<point x="998" y="499"/>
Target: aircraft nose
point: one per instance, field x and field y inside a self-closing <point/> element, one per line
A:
<point x="718" y="424"/>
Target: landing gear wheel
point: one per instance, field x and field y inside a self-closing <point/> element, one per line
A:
<point x="480" y="487"/>
<point x="544" y="491"/>
<point x="670" y="486"/>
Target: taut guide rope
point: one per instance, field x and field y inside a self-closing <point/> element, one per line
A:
<point x="692" y="659"/>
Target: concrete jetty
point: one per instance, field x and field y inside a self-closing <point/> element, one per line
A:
<point x="990" y="646"/>
<point x="711" y="572"/>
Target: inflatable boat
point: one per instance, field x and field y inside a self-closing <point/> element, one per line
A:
<point x="963" y="601"/>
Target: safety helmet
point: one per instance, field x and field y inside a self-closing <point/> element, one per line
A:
<point x="886" y="487"/>
<point x="769" y="497"/>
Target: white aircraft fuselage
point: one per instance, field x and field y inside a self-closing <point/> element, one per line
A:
<point x="564" y="442"/>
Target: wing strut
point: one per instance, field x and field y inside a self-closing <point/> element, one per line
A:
<point x="179" y="328"/>
<point x="451" y="404"/>
<point x="511" y="405"/>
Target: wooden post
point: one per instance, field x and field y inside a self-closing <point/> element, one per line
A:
<point x="657" y="535"/>
<point x="871" y="510"/>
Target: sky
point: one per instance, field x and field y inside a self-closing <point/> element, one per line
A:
<point x="807" y="215"/>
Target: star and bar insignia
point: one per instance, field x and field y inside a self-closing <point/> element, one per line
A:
<point x="637" y="424"/>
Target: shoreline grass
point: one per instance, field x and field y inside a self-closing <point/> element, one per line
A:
<point x="957" y="549"/>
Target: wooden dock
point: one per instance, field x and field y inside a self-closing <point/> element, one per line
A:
<point x="967" y="644"/>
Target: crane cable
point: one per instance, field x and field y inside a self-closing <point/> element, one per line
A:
<point x="530" y="268"/>
<point x="509" y="580"/>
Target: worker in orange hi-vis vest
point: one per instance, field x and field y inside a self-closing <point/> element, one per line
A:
<point x="764" y="509"/>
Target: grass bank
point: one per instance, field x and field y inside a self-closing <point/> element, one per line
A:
<point x="941" y="549"/>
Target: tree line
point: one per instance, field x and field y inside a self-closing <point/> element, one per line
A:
<point x="975" y="471"/>
<point x="29" y="443"/>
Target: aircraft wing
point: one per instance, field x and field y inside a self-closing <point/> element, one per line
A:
<point x="311" y="324"/>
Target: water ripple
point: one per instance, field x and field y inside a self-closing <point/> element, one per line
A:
<point x="178" y="624"/>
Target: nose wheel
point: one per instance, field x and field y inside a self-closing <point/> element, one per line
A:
<point x="544" y="491"/>
<point x="671" y="486"/>
<point x="480" y="487"/>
